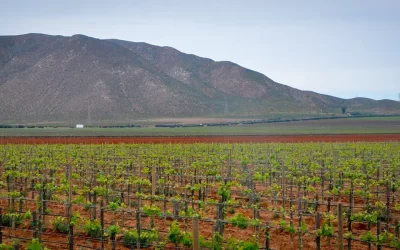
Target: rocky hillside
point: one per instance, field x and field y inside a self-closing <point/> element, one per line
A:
<point x="61" y="78"/>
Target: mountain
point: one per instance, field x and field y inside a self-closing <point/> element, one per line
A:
<point x="58" y="78"/>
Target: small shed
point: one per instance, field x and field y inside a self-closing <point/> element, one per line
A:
<point x="79" y="126"/>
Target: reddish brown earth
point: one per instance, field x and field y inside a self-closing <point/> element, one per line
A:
<point x="202" y="139"/>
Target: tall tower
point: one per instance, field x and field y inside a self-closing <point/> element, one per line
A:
<point x="399" y="97"/>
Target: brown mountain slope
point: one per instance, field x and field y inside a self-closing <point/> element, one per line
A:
<point x="46" y="77"/>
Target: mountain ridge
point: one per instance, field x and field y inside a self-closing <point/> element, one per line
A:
<point x="45" y="77"/>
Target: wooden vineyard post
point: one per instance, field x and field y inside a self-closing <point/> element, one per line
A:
<point x="300" y="231"/>
<point x="12" y="204"/>
<point x="230" y="165"/>
<point x="8" y="190"/>
<point x="176" y="208"/>
<point x="221" y="206"/>
<point x="200" y="197"/>
<point x="153" y="182"/>
<point x="113" y="242"/>
<point x="379" y="175"/>
<point x="129" y="194"/>
<point x="165" y="204"/>
<point x="340" y="225"/>
<point x="34" y="224"/>
<point x="91" y="202"/>
<point x="378" y="233"/>
<point x="192" y="192"/>
<point x="267" y="236"/>
<point x="39" y="215"/>
<point x="138" y="222"/>
<point x="196" y="241"/>
<point x="69" y="190"/>
<point x="185" y="209"/>
<point x="20" y="205"/>
<point x="102" y="224"/>
<point x="387" y="206"/>
<point x="316" y="203"/>
<point x="1" y="226"/>
<point x="317" y="226"/>
<point x="33" y="188"/>
<point x="396" y="231"/>
<point x="351" y="205"/>
<point x="123" y="210"/>
<point x="44" y="204"/>
<point x="153" y="191"/>
<point x="212" y="237"/>
<point x="94" y="205"/>
<point x="71" y="237"/>
<point x="70" y="231"/>
<point x="13" y="223"/>
<point x="299" y="202"/>
<point x="329" y="204"/>
<point x="16" y="246"/>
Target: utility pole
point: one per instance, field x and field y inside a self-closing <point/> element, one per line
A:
<point x="89" y="116"/>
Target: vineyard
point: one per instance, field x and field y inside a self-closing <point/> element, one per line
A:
<point x="200" y="196"/>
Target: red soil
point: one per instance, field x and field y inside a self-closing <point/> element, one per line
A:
<point x="202" y="139"/>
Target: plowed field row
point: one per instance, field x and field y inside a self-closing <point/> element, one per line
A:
<point x="202" y="139"/>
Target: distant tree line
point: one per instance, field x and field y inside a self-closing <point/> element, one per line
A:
<point x="353" y="114"/>
<point x="120" y="126"/>
<point x="11" y="126"/>
<point x="30" y="126"/>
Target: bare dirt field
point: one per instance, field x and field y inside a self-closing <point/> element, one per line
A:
<point x="202" y="139"/>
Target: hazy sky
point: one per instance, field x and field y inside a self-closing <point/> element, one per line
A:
<point x="345" y="48"/>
